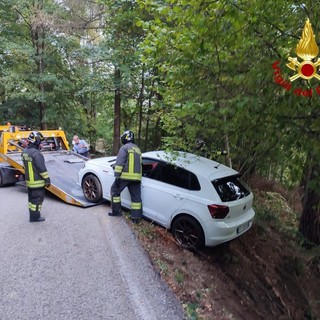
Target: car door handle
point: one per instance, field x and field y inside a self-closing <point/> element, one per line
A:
<point x="178" y="196"/>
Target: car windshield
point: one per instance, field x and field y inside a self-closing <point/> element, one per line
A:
<point x="231" y="188"/>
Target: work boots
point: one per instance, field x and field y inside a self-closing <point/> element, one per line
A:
<point x="35" y="217"/>
<point x="115" y="214"/>
<point x="38" y="220"/>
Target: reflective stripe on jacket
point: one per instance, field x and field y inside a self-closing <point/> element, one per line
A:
<point x="35" y="168"/>
<point x="128" y="163"/>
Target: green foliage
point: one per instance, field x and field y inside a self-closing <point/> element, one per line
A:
<point x="162" y="266"/>
<point x="179" y="276"/>
<point x="192" y="310"/>
<point x="71" y="83"/>
<point x="189" y="69"/>
<point x="215" y="69"/>
<point x="273" y="211"/>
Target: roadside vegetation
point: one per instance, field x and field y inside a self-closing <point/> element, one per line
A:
<point x="270" y="272"/>
<point x="173" y="71"/>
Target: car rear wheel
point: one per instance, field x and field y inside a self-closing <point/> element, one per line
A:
<point x="188" y="232"/>
<point x="92" y="189"/>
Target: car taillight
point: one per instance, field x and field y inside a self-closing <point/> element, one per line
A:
<point x="218" y="211"/>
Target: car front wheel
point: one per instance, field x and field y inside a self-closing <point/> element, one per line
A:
<point x="92" y="189"/>
<point x="188" y="232"/>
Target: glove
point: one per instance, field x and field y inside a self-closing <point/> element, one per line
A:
<point x="47" y="183"/>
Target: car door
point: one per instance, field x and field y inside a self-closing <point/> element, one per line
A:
<point x="164" y="190"/>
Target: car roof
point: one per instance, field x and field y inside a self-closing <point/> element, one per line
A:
<point x="194" y="163"/>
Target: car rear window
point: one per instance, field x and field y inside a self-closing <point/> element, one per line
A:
<point x="231" y="188"/>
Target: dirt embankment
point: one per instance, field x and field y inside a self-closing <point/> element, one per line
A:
<point x="265" y="274"/>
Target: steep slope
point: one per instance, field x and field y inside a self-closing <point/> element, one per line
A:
<point x="267" y="273"/>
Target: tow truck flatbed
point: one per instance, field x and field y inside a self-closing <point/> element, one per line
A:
<point x="63" y="164"/>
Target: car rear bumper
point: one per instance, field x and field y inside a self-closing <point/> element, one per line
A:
<point x="222" y="231"/>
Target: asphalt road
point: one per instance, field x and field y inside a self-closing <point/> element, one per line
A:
<point x="79" y="264"/>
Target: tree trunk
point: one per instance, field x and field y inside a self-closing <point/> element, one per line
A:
<point x="140" y="105"/>
<point x="117" y="112"/>
<point x="228" y="160"/>
<point x="146" y="137"/>
<point x="38" y="34"/>
<point x="39" y="47"/>
<point x="41" y="67"/>
<point x="310" y="218"/>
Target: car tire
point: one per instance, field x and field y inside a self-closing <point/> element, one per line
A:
<point x="91" y="188"/>
<point x="188" y="232"/>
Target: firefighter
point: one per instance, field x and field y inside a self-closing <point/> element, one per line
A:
<point x="128" y="173"/>
<point x="200" y="149"/>
<point x="36" y="175"/>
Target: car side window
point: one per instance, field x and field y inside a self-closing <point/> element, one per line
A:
<point x="148" y="166"/>
<point x="175" y="176"/>
<point x="170" y="174"/>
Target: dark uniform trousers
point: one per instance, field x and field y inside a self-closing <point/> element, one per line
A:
<point x="134" y="188"/>
<point x="35" y="199"/>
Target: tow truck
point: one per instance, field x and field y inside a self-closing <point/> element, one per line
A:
<point x="62" y="163"/>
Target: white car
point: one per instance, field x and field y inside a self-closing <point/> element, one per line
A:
<point x="202" y="202"/>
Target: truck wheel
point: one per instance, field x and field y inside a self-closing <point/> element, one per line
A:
<point x="91" y="188"/>
<point x="1" y="183"/>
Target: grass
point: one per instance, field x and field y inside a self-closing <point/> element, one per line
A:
<point x="179" y="276"/>
<point x="162" y="266"/>
<point x="191" y="310"/>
